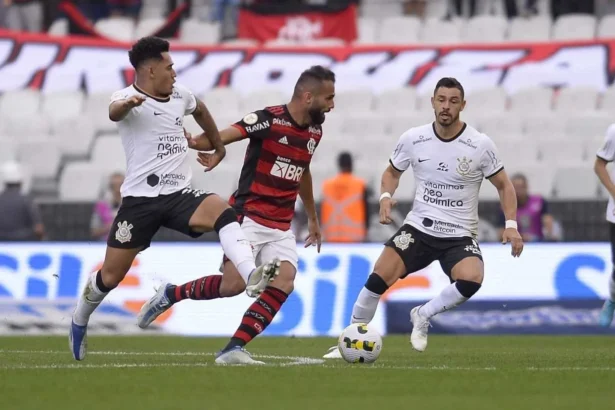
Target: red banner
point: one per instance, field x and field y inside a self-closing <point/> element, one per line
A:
<point x="299" y="27"/>
<point x="74" y="63"/>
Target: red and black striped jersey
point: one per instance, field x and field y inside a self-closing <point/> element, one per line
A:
<point x="278" y="153"/>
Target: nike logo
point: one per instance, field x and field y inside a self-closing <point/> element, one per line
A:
<point x="423" y="160"/>
<point x="157" y="113"/>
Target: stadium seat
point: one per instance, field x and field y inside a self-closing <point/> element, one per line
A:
<point x="62" y="105"/>
<point x="26" y="102"/>
<point x="222" y="180"/>
<point x="148" y="26"/>
<point x="367" y="30"/>
<point x="74" y="136"/>
<point x="9" y="149"/>
<point x="485" y="29"/>
<point x="399" y="30"/>
<point x="349" y="102"/>
<point x="574" y="27"/>
<point x="532" y="29"/>
<point x="436" y="9"/>
<point x="607" y="101"/>
<point x="588" y="125"/>
<point x="380" y="10"/>
<point x="539" y="177"/>
<point x="578" y="182"/>
<point x="364" y="126"/>
<point x="258" y="100"/>
<point x="440" y="32"/>
<point x="555" y="152"/>
<point x="488" y="192"/>
<point x="43" y="160"/>
<point x="519" y="154"/>
<point x="334" y="124"/>
<point x="501" y="126"/>
<point x="398" y="101"/>
<point x="59" y="27"/>
<point x="486" y="100"/>
<point x="532" y="101"/>
<point x="97" y="109"/>
<point x="108" y="153"/>
<point x="545" y="126"/>
<point x="81" y="181"/>
<point x="23" y="126"/>
<point x="116" y="28"/>
<point x="198" y="32"/>
<point x="576" y="99"/>
<point x="222" y="101"/>
<point x="606" y="27"/>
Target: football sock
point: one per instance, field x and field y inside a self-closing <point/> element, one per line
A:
<point x="612" y="286"/>
<point x="366" y="304"/>
<point x="235" y="244"/>
<point x="92" y="295"/>
<point x="205" y="288"/>
<point x="258" y="316"/>
<point x="453" y="295"/>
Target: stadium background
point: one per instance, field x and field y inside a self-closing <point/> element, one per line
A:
<point x="540" y="84"/>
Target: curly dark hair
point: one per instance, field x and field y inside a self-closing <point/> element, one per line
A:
<point x="147" y="48"/>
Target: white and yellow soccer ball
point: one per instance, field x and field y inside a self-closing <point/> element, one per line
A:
<point x="359" y="343"/>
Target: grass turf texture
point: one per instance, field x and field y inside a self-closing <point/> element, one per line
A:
<point x="517" y="372"/>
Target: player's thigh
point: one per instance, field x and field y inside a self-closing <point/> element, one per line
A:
<point x="286" y="250"/>
<point x="116" y="265"/>
<point x="193" y="212"/>
<point x="464" y="261"/>
<point x="404" y="253"/>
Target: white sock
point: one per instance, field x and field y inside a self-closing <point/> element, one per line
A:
<point x="448" y="299"/>
<point x="88" y="302"/>
<point x="238" y="249"/>
<point x="365" y="307"/>
<point x="612" y="287"/>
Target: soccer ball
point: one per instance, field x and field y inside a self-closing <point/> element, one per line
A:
<point x="359" y="343"/>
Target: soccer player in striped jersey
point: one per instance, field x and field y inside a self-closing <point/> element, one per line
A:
<point x="276" y="169"/>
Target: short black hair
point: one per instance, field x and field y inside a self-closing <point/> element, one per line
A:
<point x="312" y="76"/>
<point x="449" y="82"/>
<point x="147" y="48"/>
<point x="344" y="161"/>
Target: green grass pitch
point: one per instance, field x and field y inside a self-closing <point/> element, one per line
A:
<point x="134" y="373"/>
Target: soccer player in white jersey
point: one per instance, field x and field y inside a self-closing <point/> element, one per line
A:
<point x="449" y="159"/>
<point x="156" y="191"/>
<point x="605" y="155"/>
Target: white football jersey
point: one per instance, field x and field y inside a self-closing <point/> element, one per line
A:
<point x="607" y="153"/>
<point x="448" y="175"/>
<point x="154" y="143"/>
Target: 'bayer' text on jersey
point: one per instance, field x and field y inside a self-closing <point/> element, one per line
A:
<point x="448" y="175"/>
<point x="154" y="143"/>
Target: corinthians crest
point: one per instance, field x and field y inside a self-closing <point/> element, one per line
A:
<point x="123" y="234"/>
<point x="463" y="166"/>
<point x="403" y="240"/>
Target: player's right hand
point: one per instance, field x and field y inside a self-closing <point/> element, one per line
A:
<point x="191" y="141"/>
<point x="386" y="206"/>
<point x="135" y="101"/>
<point x="210" y="161"/>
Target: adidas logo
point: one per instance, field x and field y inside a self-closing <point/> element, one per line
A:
<point x="283" y="140"/>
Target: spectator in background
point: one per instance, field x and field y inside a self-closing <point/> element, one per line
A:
<point x="463" y="8"/>
<point x="561" y="7"/>
<point x="344" y="214"/>
<point x="24" y="15"/>
<point x="533" y="218"/>
<point x="106" y="209"/>
<point x="415" y="8"/>
<point x="19" y="217"/>
<point x="530" y="9"/>
<point x="124" y="8"/>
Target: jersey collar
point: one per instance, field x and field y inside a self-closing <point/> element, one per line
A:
<point x="292" y="120"/>
<point x="162" y="100"/>
<point x="433" y="125"/>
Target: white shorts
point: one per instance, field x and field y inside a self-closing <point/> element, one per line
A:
<point x="268" y="243"/>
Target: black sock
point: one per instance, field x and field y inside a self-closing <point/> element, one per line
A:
<point x="100" y="284"/>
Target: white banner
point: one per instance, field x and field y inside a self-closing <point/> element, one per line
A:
<point x="325" y="288"/>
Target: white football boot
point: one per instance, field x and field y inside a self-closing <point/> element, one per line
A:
<point x="261" y="276"/>
<point x="236" y="355"/>
<point x="333" y="353"/>
<point x="420" y="327"/>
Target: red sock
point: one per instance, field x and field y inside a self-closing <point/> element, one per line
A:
<point x="207" y="287"/>
<point x="258" y="316"/>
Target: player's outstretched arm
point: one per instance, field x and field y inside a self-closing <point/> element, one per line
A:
<point x="306" y="192"/>
<point x="603" y="175"/>
<point x="227" y="135"/>
<point x="119" y="109"/>
<point x="206" y="122"/>
<point x="388" y="186"/>
<point x="508" y="201"/>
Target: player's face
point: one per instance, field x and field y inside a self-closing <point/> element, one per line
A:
<point x="163" y="75"/>
<point x="321" y="102"/>
<point x="520" y="188"/>
<point x="447" y="104"/>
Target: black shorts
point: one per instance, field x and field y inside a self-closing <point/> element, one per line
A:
<point x="139" y="218"/>
<point x="612" y="238"/>
<point x="418" y="250"/>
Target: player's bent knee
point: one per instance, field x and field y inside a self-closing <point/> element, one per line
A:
<point x="467" y="288"/>
<point x="227" y="217"/>
<point x="285" y="281"/>
<point x="208" y="213"/>
<point x="231" y="287"/>
<point x="389" y="266"/>
<point x="116" y="265"/>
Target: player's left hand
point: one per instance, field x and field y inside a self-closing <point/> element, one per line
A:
<point x="210" y="160"/>
<point x="315" y="237"/>
<point x="512" y="236"/>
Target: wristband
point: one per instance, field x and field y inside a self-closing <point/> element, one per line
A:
<point x="384" y="195"/>
<point x="511" y="224"/>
